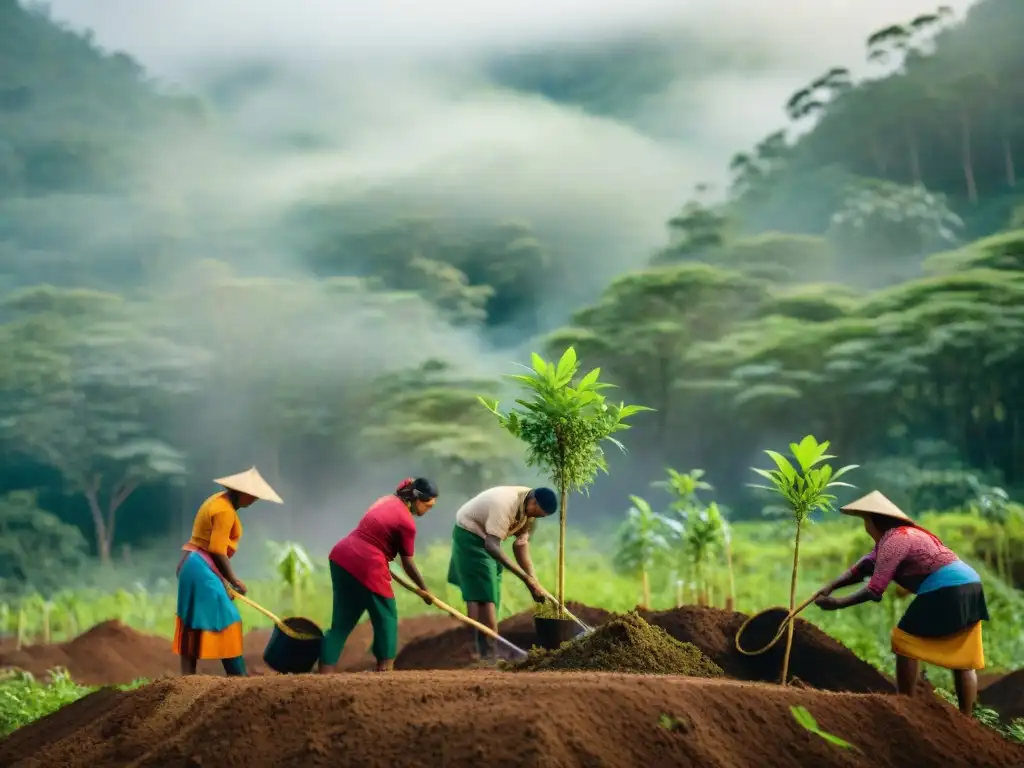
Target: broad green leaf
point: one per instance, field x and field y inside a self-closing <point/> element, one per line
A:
<point x="787" y="469"/>
<point x="590" y="379"/>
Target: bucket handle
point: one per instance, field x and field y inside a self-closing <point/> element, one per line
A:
<point x="778" y="635"/>
<point x="293" y="634"/>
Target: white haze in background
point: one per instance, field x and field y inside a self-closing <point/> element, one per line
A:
<point x="356" y="68"/>
<point x="397" y="89"/>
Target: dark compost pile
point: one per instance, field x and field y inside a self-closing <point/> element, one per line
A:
<point x="623" y="644"/>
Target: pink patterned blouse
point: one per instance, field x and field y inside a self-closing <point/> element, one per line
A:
<point x="906" y="555"/>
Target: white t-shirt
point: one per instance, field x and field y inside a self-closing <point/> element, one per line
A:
<point x="499" y="511"/>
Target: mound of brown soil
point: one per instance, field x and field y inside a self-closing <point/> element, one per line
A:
<point x="1006" y="696"/>
<point x="623" y="644"/>
<point x="488" y="718"/>
<point x="356" y="656"/>
<point x="114" y="654"/>
<point x="108" y="654"/>
<point x="817" y="659"/>
<point x="455" y="649"/>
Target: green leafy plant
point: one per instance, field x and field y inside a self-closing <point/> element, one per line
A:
<point x="294" y="568"/>
<point x="806" y="720"/>
<point x="993" y="504"/>
<point x="563" y="424"/>
<point x="642" y="541"/>
<point x="703" y="534"/>
<point x="805" y="489"/>
<point x="684" y="488"/>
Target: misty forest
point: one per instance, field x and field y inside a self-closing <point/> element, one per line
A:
<point x="186" y="293"/>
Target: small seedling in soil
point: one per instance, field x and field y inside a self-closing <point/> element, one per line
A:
<point x="672" y="724"/>
<point x="805" y="491"/>
<point x="806" y="720"/>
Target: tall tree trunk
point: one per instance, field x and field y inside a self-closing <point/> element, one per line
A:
<point x="99" y="524"/>
<point x="915" y="157"/>
<point x="105" y="521"/>
<point x="1008" y="163"/>
<point x="967" y="158"/>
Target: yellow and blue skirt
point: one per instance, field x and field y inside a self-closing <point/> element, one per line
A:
<point x="207" y="625"/>
<point x="942" y="626"/>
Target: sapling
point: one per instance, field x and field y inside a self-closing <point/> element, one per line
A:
<point x="684" y="488"/>
<point x="805" y="490"/>
<point x="730" y="599"/>
<point x="293" y="567"/>
<point x="702" y="536"/>
<point x="563" y="425"/>
<point x="641" y="544"/>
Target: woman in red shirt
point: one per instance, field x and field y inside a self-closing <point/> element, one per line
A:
<point x="361" y="577"/>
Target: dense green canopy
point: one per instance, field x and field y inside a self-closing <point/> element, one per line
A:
<point x="147" y="343"/>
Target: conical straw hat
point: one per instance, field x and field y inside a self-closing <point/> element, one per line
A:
<point x="875" y="503"/>
<point x="251" y="482"/>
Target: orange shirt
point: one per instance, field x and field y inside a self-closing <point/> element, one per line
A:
<point x="217" y="528"/>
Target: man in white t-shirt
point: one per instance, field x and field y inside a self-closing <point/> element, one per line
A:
<point x="477" y="560"/>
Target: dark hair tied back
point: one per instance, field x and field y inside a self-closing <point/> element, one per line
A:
<point x="416" y="489"/>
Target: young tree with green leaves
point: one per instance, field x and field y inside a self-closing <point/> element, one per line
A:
<point x="684" y="488"/>
<point x="294" y="569"/>
<point x="563" y="424"/>
<point x="703" y="536"/>
<point x="805" y="488"/>
<point x="642" y="542"/>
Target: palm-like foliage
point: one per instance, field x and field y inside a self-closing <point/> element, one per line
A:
<point x="993" y="504"/>
<point x="642" y="542"/>
<point x="293" y="567"/>
<point x="703" y="536"/>
<point x="684" y="488"/>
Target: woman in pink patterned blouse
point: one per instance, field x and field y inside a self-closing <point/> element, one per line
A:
<point x="942" y="626"/>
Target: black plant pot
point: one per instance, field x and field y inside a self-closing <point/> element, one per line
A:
<point x="551" y="633"/>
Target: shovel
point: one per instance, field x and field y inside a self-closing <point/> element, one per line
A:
<point x="460" y="616"/>
<point x="585" y="627"/>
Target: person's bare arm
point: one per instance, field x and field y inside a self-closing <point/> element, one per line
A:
<point x="847" y="579"/>
<point x="521" y="550"/>
<point x="413" y="572"/>
<point x="493" y="546"/>
<point x="223" y="563"/>
<point x="862" y="595"/>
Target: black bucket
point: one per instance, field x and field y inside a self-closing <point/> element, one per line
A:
<point x="551" y="633"/>
<point x="290" y="656"/>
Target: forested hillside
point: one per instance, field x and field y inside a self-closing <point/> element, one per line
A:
<point x="148" y="341"/>
<point x="944" y="109"/>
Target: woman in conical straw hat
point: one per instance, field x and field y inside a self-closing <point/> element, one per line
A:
<point x="942" y="626"/>
<point x="208" y="625"/>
